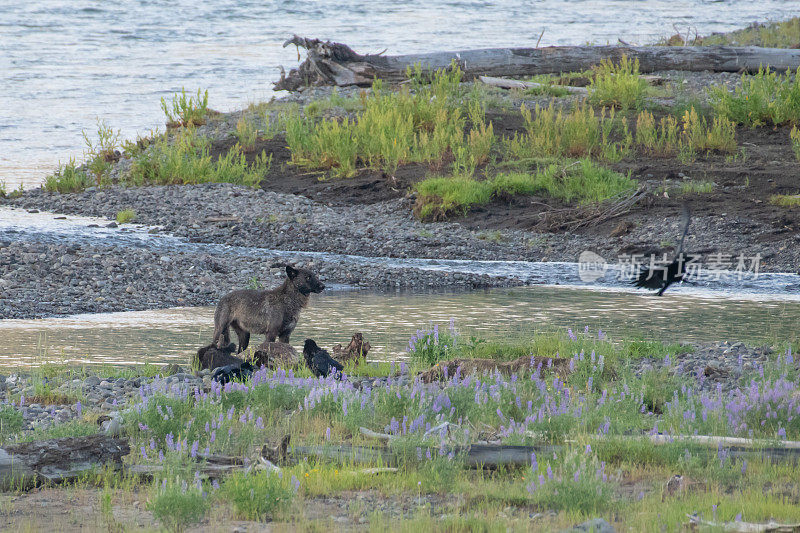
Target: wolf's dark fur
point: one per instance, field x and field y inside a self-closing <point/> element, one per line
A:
<point x="662" y="277"/>
<point x="227" y="373"/>
<point x="211" y="357"/>
<point x="272" y="313"/>
<point x="319" y="361"/>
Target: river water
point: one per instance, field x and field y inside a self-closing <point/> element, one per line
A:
<point x="66" y="63"/>
<point x="388" y="320"/>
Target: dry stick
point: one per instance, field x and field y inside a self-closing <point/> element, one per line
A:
<point x="540" y="38"/>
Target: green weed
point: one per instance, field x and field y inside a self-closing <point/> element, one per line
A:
<point x="785" y="200"/>
<point x="125" y="216"/>
<point x="177" y="505"/>
<point x="247" y="134"/>
<point x="186" y="110"/>
<point x="68" y="178"/>
<point x="256" y="496"/>
<point x="617" y="85"/>
<point x="763" y="98"/>
<point x="794" y="136"/>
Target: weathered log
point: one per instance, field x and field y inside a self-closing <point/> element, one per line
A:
<point x="695" y="522"/>
<point x="330" y="63"/>
<point x="58" y="460"/>
<point x="505" y="83"/>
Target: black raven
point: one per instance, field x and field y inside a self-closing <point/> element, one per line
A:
<point x="319" y="361"/>
<point x="224" y="374"/>
<point x="661" y="277"/>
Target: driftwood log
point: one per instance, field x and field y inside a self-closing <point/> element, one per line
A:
<point x="330" y="63"/>
<point x="57" y="460"/>
<point x="445" y="369"/>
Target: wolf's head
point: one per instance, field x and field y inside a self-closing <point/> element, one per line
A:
<point x="304" y="280"/>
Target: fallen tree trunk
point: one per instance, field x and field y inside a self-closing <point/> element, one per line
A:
<point x="58" y="460"/>
<point x="330" y="63"/>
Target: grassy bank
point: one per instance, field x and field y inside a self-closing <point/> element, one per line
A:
<point x="598" y="415"/>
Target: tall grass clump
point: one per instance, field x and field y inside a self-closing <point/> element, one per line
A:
<point x="186" y="110"/>
<point x="257" y="496"/>
<point x="763" y="98"/>
<point x="578" y="483"/>
<point x="783" y="34"/>
<point x="691" y="135"/>
<point x="423" y="122"/>
<point x="185" y="159"/>
<point x="178" y="505"/>
<point x="794" y="136"/>
<point x="247" y="134"/>
<point x="68" y="178"/>
<point x="580" y="132"/>
<point x="785" y="200"/>
<point x="617" y="84"/>
<point x="125" y="216"/>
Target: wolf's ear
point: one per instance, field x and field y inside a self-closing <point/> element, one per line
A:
<point x="291" y="271"/>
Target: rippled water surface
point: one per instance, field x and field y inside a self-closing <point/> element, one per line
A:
<point x="388" y="320"/>
<point x="63" y="63"/>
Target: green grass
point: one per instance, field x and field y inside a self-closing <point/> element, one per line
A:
<point x="692" y="135"/>
<point x="185" y="110"/>
<point x="794" y="136"/>
<point x="257" y="496"/>
<point x="785" y="200"/>
<point x="783" y="34"/>
<point x="246" y="133"/>
<point x="68" y="178"/>
<point x="125" y="216"/>
<point x="419" y="123"/>
<point x="580" y="132"/>
<point x="184" y="158"/>
<point x="765" y="98"/>
<point x="177" y="507"/>
<point x="618" y="84"/>
<point x="697" y="187"/>
<point x="582" y="182"/>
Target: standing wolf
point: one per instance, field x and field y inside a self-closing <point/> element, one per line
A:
<point x="272" y="313"/>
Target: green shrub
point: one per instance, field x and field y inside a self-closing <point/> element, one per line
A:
<point x="10" y="420"/>
<point x="763" y="98"/>
<point x="125" y="216"/>
<point x="794" y="136"/>
<point x="68" y="178"/>
<point x="185" y="159"/>
<point x="617" y="85"/>
<point x="186" y="111"/>
<point x="176" y="505"/>
<point x="256" y="496"/>
<point x="578" y="483"/>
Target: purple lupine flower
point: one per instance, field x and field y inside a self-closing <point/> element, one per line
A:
<point x="571" y="335"/>
<point x="295" y="483"/>
<point x="328" y="434"/>
<point x="549" y="472"/>
<point x="78" y="406"/>
<point x="144" y="453"/>
<point x="193" y="451"/>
